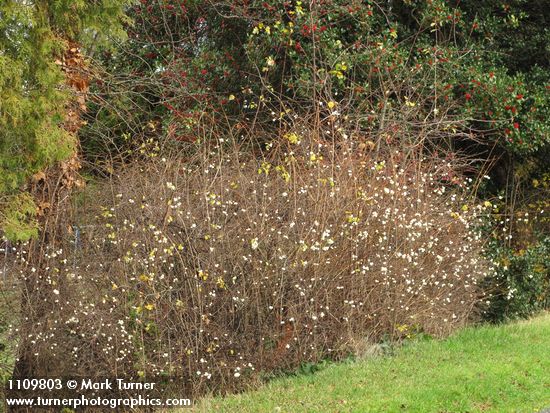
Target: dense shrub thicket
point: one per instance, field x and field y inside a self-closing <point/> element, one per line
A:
<point x="219" y="269"/>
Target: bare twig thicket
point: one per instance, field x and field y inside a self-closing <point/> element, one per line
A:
<point x="224" y="266"/>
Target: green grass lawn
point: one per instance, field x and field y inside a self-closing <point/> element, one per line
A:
<point x="484" y="369"/>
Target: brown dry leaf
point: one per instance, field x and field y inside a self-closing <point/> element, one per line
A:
<point x="41" y="207"/>
<point x="367" y="145"/>
<point x="39" y="176"/>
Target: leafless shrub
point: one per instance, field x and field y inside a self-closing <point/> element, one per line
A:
<point x="213" y="270"/>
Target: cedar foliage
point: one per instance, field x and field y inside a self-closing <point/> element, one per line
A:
<point x="36" y="129"/>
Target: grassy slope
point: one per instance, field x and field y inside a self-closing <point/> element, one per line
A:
<point x="485" y="369"/>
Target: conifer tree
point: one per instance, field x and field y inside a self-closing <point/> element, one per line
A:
<point x="40" y="71"/>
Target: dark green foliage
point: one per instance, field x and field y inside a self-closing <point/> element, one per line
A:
<point x="258" y="60"/>
<point x="515" y="33"/>
<point x="521" y="285"/>
<point x="519" y="242"/>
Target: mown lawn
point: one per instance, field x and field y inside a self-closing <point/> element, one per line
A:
<point x="485" y="369"/>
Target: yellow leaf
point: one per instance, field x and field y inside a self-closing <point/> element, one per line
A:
<point x="292" y="137"/>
